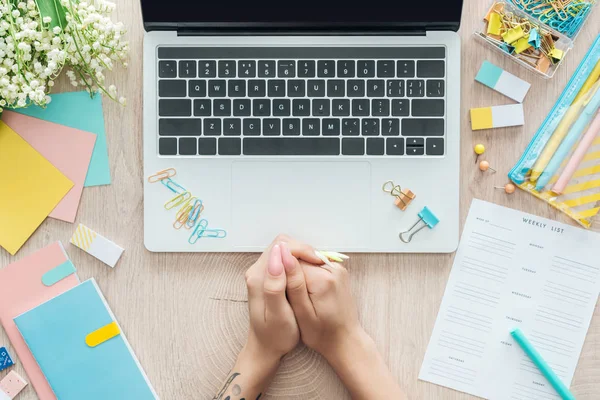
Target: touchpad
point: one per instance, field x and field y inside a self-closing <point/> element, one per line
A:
<point x="326" y="204"/>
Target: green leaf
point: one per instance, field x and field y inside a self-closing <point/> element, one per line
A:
<point x="54" y="10"/>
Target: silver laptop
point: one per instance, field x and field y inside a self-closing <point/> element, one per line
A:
<point x="290" y="117"/>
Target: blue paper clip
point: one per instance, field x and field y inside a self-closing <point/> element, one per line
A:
<point x="214" y="233"/>
<point x="194" y="213"/>
<point x="426" y="217"/>
<point x="173" y="186"/>
<point x="198" y="231"/>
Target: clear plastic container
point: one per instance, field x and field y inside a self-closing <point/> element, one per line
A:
<point x="561" y="42"/>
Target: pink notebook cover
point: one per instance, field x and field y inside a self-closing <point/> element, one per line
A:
<point x="21" y="289"/>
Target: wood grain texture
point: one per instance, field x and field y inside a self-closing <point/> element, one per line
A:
<point x="185" y="314"/>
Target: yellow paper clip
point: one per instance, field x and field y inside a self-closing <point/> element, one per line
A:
<point x="556" y="54"/>
<point x="177" y="200"/>
<point x="403" y="196"/>
<point x="160" y="175"/>
<point x="182" y="216"/>
<point x="514" y="34"/>
<point x="522" y="44"/>
<point x="495" y="24"/>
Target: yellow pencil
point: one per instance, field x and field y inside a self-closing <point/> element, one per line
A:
<point x="589" y="82"/>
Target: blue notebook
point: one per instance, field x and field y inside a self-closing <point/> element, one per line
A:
<point x="81" y="349"/>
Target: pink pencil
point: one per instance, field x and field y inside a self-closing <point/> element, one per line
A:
<point x="578" y="155"/>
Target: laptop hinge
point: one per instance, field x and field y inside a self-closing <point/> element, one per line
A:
<point x="303" y="32"/>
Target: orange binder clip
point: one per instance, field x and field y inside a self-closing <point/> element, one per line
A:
<point x="403" y="196"/>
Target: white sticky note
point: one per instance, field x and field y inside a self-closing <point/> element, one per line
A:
<point x="503" y="82"/>
<point x="510" y="115"/>
<point x="97" y="245"/>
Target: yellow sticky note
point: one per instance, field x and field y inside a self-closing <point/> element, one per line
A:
<point x="103" y="334"/>
<point x="481" y="118"/>
<point x="30" y="188"/>
<point x="495" y="24"/>
<point x="522" y="44"/>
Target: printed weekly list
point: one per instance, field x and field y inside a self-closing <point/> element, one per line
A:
<point x="511" y="270"/>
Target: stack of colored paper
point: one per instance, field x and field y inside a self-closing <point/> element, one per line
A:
<point x="49" y="155"/>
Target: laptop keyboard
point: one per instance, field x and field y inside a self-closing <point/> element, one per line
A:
<point x="301" y="101"/>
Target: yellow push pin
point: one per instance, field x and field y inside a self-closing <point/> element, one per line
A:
<point x="479" y="150"/>
<point x="484" y="166"/>
<point x="509" y="188"/>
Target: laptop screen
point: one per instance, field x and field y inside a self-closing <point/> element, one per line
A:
<point x="302" y="13"/>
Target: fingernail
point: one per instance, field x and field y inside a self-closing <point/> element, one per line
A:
<point x="275" y="263"/>
<point x="287" y="257"/>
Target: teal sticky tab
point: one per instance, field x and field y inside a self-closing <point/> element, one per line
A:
<point x="489" y="74"/>
<point x="428" y="217"/>
<point x="77" y="110"/>
<point x="59" y="273"/>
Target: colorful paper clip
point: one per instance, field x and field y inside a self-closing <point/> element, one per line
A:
<point x="427" y="218"/>
<point x="162" y="175"/>
<point x="202" y="231"/>
<point x="177" y="200"/>
<point x="197" y="209"/>
<point x="173" y="186"/>
<point x="403" y="196"/>
<point x="182" y="216"/>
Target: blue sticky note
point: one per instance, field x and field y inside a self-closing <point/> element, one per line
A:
<point x="5" y="360"/>
<point x="77" y="110"/>
<point x="489" y="74"/>
<point x="56" y="332"/>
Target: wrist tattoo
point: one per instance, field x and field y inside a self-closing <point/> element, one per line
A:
<point x="219" y="396"/>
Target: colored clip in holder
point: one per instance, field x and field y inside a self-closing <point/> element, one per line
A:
<point x="11" y="386"/>
<point x="403" y="196"/>
<point x="162" y="175"/>
<point x="5" y="360"/>
<point x="426" y="218"/>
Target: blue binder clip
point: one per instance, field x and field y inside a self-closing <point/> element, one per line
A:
<point x="426" y="218"/>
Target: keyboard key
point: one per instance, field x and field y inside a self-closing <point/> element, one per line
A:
<point x="276" y="88"/>
<point x="353" y="146"/>
<point x="187" y="69"/>
<point x="227" y="69"/>
<point x="167" y="69"/>
<point x="415" y="151"/>
<point x="296" y="88"/>
<point x="171" y="88"/>
<point x="180" y="127"/>
<point x="175" y="108"/>
<point x="390" y="127"/>
<point x="346" y="69"/>
<point x="287" y="146"/>
<point x="261" y="108"/>
<point x="415" y="88"/>
<point x="370" y="127"/>
<point x="257" y="88"/>
<point x="336" y="88"/>
<point x="242" y="108"/>
<point x="406" y="69"/>
<point x="375" y="88"/>
<point x="351" y="127"/>
<point x="222" y="108"/>
<point x="331" y="127"/>
<point x="307" y="69"/>
<point x="415" y="142"/>
<point x="428" y="108"/>
<point x="400" y="107"/>
<point x="217" y="88"/>
<point x="356" y="88"/>
<point x="286" y="69"/>
<point x="341" y="108"/>
<point x="422" y="127"/>
<point x="207" y="146"/>
<point x="365" y="69"/>
<point x="251" y="127"/>
<point x="380" y="107"/>
<point x="188" y="146"/>
<point x="325" y="68"/>
<point x="282" y="107"/>
<point x="202" y="108"/>
<point x="321" y="107"/>
<point x="266" y="69"/>
<point x="395" y="88"/>
<point x="230" y="147"/>
<point x="232" y="126"/>
<point x="311" y="127"/>
<point x="197" y="88"/>
<point x="386" y="69"/>
<point x="394" y="147"/>
<point x="247" y="69"/>
<point x="212" y="127"/>
<point x="291" y="126"/>
<point x="360" y="108"/>
<point x="375" y="146"/>
<point x="271" y="127"/>
<point x="315" y="88"/>
<point x="301" y="107"/>
<point x="435" y="147"/>
<point x="167" y="146"/>
<point x="208" y="69"/>
<point x="431" y="69"/>
<point x="435" y="88"/>
<point x="236" y="88"/>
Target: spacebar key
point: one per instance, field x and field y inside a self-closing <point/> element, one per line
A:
<point x="291" y="146"/>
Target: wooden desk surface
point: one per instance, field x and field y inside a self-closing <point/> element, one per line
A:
<point x="185" y="314"/>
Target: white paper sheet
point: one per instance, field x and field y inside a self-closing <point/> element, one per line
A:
<point x="513" y="269"/>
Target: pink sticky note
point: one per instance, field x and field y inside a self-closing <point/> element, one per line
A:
<point x="68" y="149"/>
<point x="21" y="289"/>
